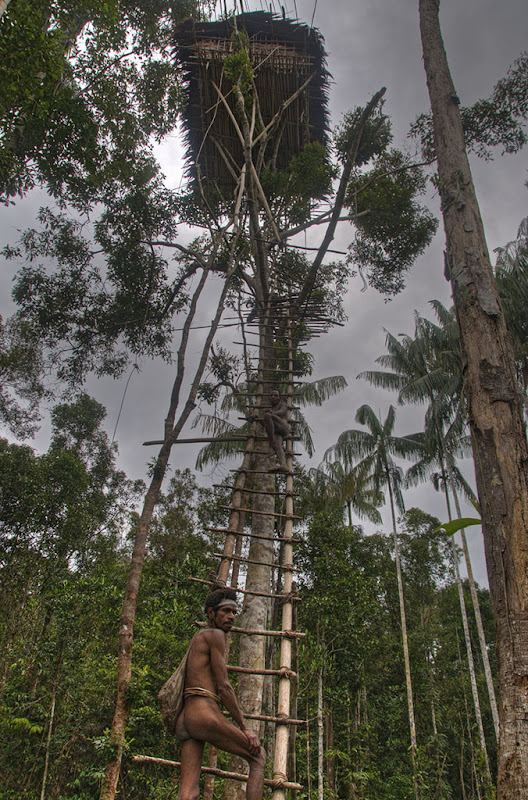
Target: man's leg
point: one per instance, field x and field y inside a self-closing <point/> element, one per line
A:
<point x="277" y="439"/>
<point x="207" y="722"/>
<point x="255" y="784"/>
<point x="191" y="762"/>
<point x="227" y="736"/>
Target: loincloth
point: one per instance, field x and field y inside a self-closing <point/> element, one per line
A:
<point x="197" y="691"/>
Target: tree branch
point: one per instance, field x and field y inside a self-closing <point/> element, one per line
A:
<point x="340" y="198"/>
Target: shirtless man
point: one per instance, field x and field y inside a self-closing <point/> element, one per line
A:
<point x="206" y="686"/>
<point x="275" y="422"/>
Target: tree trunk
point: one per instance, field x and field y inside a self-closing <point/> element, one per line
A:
<point x="308" y="754"/>
<point x="405" y="642"/>
<point x="48" y="743"/>
<point x="330" y="760"/>
<point x="495" y="411"/>
<point x="255" y="614"/>
<point x="292" y="759"/>
<point x="471" y="665"/>
<point x="128" y="613"/>
<point x="478" y="621"/>
<point x="320" y="737"/>
<point x="467" y="637"/>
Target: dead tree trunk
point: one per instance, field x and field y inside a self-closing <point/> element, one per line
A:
<point x="495" y="410"/>
<point x="128" y="613"/>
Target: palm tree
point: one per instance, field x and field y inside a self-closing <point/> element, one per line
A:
<point x="375" y="448"/>
<point x="428" y="369"/>
<point x="511" y="274"/>
<point x="353" y="489"/>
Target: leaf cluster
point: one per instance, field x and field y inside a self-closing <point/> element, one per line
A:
<point x="375" y="140"/>
<point x="84" y="87"/>
<point x="307" y="178"/>
<point x="90" y="317"/>
<point x="393" y="229"/>
<point x="21" y="377"/>
<point x="238" y="69"/>
<point x="497" y="121"/>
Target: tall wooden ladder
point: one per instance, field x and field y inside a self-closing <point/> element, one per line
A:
<point x="280" y="335"/>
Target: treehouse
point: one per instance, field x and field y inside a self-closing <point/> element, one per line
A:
<point x="288" y="89"/>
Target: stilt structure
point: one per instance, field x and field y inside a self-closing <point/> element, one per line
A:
<point x="280" y="336"/>
<point x="256" y="88"/>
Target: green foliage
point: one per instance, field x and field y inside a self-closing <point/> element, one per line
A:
<point x="350" y="610"/>
<point x="393" y="229"/>
<point x="94" y="83"/>
<point x="59" y="620"/>
<point x="21" y="377"/>
<point x="93" y="320"/>
<point x="375" y="139"/>
<point x="511" y="273"/>
<point x="499" y="121"/>
<point x="239" y="70"/>
<point x="307" y="178"/>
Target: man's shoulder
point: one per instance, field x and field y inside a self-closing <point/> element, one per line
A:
<point x="211" y="635"/>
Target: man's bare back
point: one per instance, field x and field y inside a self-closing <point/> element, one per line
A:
<point x="206" y="686"/>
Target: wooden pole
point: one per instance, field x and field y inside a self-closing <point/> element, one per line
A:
<point x="282" y="733"/>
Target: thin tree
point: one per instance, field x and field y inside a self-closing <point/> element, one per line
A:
<point x="173" y="428"/>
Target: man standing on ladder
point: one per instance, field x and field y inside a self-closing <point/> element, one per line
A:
<point x="275" y="422"/>
<point x="206" y="688"/>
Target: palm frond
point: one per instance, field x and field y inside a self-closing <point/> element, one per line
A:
<point x="316" y="392"/>
<point x="383" y="380"/>
<point x="216" y="452"/>
<point x="366" y="416"/>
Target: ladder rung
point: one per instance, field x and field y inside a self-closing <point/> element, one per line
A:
<point x="253" y="535"/>
<point x="290" y="421"/>
<point x="263" y="472"/>
<point x="278" y="720"/>
<point x="286" y="673"/>
<point x="235" y="776"/>
<point x="291" y="597"/>
<point x="255" y="491"/>
<point x="261" y="513"/>
<point x="285" y="567"/>
<point x="282" y="380"/>
<point x="266" y="452"/>
<point x="264" y="394"/>
<point x="251" y="632"/>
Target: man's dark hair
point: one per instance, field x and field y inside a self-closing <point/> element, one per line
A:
<point x="214" y="598"/>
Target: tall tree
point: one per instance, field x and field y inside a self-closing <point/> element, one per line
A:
<point x="495" y="407"/>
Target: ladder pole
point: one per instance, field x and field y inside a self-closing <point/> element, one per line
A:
<point x="282" y="734"/>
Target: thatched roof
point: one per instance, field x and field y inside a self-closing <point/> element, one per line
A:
<point x="284" y="53"/>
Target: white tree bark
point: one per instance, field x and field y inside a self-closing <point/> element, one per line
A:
<point x="320" y="737"/>
<point x="478" y="621"/>
<point x="3" y="7"/>
<point x="48" y="743"/>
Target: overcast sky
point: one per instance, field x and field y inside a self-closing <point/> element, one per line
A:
<point x="369" y="44"/>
